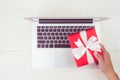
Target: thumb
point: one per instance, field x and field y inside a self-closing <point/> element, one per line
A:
<point x="98" y="57"/>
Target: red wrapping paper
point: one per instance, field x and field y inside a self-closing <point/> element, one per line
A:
<point x="83" y="45"/>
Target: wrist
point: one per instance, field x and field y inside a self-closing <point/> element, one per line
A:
<point x="112" y="76"/>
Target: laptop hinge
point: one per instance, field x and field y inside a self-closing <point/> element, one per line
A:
<point x="65" y="21"/>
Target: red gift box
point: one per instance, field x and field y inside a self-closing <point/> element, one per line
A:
<point x="83" y="45"/>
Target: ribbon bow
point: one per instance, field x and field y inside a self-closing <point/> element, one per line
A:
<point x="91" y="44"/>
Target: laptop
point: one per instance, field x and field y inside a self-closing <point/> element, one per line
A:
<point x="50" y="45"/>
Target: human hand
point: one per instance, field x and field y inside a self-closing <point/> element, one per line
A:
<point x="105" y="64"/>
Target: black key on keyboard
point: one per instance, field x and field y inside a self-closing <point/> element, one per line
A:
<point x="62" y="46"/>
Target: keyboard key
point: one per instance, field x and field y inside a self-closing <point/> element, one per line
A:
<point x="57" y="37"/>
<point x="63" y="26"/>
<point x="74" y="30"/>
<point x="63" y="41"/>
<point x="42" y="46"/>
<point x="76" y="26"/>
<point x="47" y="26"/>
<point x="64" y="38"/>
<point x="72" y="27"/>
<point x="67" y="26"/>
<point x="49" y="37"/>
<point x="60" y="34"/>
<point x="55" y="26"/>
<point x="56" y="34"/>
<point x="51" y="41"/>
<point x="58" y="30"/>
<point x="43" y="27"/>
<point x="42" y="30"/>
<point x="41" y="41"/>
<point x="51" y="26"/>
<point x="80" y="26"/>
<point x="38" y="27"/>
<point x="48" y="34"/>
<point x="66" y="30"/>
<point x="46" y="46"/>
<point x="59" y="26"/>
<point x="59" y="41"/>
<point x="54" y="30"/>
<point x="62" y="30"/>
<point x="46" y="30"/>
<point x="52" y="34"/>
<point x="38" y="30"/>
<point x="39" y="33"/>
<point x="38" y="46"/>
<point x="44" y="34"/>
<point x="50" y="30"/>
<point x="67" y="41"/>
<point x="53" y="37"/>
<point x="64" y="34"/>
<point x="55" y="41"/>
<point x="61" y="37"/>
<point x="51" y="45"/>
<point x="47" y="41"/>
<point x="39" y="37"/>
<point x="45" y="37"/>
<point x="70" y="30"/>
<point x="62" y="46"/>
<point x="84" y="26"/>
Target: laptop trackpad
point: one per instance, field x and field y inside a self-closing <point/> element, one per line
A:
<point x="64" y="58"/>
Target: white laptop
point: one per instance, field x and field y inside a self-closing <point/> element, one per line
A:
<point x="50" y="45"/>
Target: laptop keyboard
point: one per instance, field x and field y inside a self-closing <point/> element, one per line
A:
<point x="56" y="36"/>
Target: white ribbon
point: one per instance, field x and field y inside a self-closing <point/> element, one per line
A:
<point x="91" y="44"/>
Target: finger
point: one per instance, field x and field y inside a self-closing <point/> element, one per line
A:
<point x="105" y="52"/>
<point x="103" y="48"/>
<point x="98" y="57"/>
